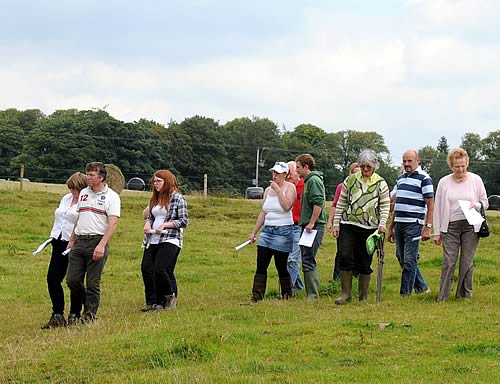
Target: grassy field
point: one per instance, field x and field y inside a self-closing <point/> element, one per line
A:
<point x="215" y="335"/>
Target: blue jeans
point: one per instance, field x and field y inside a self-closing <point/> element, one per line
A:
<point x="309" y="253"/>
<point x="294" y="259"/>
<point x="407" y="236"/>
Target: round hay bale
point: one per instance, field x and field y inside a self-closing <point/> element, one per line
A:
<point x="115" y="178"/>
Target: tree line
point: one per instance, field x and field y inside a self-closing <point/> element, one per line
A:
<point x="51" y="147"/>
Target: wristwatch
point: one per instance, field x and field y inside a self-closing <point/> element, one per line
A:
<point x="428" y="225"/>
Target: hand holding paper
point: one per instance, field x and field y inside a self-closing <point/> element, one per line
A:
<point x="473" y="217"/>
<point x="307" y="238"/>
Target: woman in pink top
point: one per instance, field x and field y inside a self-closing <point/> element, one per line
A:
<point x="452" y="230"/>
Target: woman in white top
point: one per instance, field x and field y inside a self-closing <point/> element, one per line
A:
<point x="65" y="219"/>
<point x="276" y="237"/>
<point x="168" y="216"/>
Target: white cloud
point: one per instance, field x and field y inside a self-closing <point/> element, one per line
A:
<point x="338" y="71"/>
<point x="449" y="59"/>
<point x="456" y="13"/>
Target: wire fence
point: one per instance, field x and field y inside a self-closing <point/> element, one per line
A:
<point x="189" y="183"/>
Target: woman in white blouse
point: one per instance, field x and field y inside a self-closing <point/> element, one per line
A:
<point x="65" y="219"/>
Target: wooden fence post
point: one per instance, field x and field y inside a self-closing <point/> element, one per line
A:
<point x="21" y="177"/>
<point x="205" y="185"/>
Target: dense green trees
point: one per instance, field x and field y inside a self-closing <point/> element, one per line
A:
<point x="52" y="147"/>
<point x="484" y="158"/>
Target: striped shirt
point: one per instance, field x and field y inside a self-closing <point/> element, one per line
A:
<point x="412" y="190"/>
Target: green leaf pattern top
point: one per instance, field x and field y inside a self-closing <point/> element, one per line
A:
<point x="363" y="200"/>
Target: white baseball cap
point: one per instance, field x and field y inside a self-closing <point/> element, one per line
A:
<point x="280" y="167"/>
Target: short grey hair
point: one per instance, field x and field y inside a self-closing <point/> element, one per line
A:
<point x="369" y="156"/>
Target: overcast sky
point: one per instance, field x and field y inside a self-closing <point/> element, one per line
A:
<point x="411" y="70"/>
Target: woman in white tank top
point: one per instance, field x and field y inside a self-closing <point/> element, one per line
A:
<point x="276" y="237"/>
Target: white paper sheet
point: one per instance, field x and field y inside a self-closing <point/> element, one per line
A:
<point x="238" y="247"/>
<point x="153" y="231"/>
<point x="307" y="238"/>
<point x="42" y="246"/>
<point x="473" y="217"/>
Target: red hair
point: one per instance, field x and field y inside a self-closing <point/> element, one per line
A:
<point x="163" y="196"/>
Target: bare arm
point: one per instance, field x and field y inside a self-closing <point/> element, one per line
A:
<point x="258" y="225"/>
<point x="426" y="232"/>
<point x="315" y="214"/>
<point x="286" y="197"/>
<point x="329" y="224"/>
<point x="112" y="225"/>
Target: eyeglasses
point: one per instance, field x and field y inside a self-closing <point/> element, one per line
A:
<point x="367" y="166"/>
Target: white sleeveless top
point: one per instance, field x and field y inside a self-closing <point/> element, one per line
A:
<point x="275" y="214"/>
<point x="160" y="214"/>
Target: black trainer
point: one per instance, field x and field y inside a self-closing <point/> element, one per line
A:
<point x="148" y="308"/>
<point x="73" y="319"/>
<point x="56" y="320"/>
<point x="88" y="317"/>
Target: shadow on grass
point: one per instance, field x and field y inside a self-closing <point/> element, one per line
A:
<point x="180" y="351"/>
<point x="483" y="349"/>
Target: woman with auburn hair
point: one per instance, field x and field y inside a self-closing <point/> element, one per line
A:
<point x="168" y="216"/>
<point x="452" y="230"/>
<point x="65" y="219"/>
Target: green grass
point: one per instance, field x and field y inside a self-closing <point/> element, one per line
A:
<point x="215" y="335"/>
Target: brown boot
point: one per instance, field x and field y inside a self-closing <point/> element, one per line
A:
<point x="259" y="287"/>
<point x="286" y="287"/>
<point x="364" y="283"/>
<point x="346" y="285"/>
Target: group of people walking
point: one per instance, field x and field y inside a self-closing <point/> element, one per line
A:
<point x="84" y="223"/>
<point x="362" y="205"/>
<point x="293" y="208"/>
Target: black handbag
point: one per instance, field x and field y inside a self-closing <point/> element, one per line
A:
<point x="484" y="231"/>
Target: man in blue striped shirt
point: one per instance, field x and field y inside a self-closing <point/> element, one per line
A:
<point x="412" y="221"/>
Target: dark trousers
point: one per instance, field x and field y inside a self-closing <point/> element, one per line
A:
<point x="352" y="249"/>
<point x="55" y="275"/>
<point x="336" y="264"/>
<point x="80" y="266"/>
<point x="163" y="258"/>
<point x="147" y="269"/>
<point x="264" y="256"/>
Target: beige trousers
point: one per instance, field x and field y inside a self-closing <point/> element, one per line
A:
<point x="462" y="239"/>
